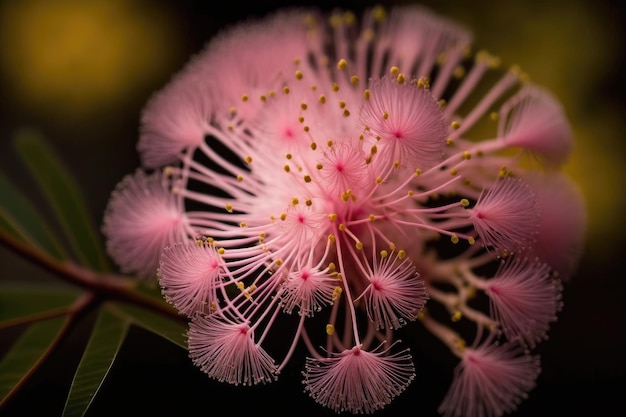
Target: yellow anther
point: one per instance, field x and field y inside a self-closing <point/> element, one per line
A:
<point x="283" y="216"/>
<point x="342" y="227"/>
<point x="322" y="98"/>
<point x="244" y="98"/>
<point x="461" y="344"/>
<point x="494" y="116"/>
<point x="213" y="306"/>
<point x="396" y="164"/>
<point x="384" y="253"/>
<point x="331" y="267"/>
<point x="346" y="113"/>
<point x="442" y="103"/>
<point x="458" y="72"/>
<point x="359" y="245"/>
<point x="263" y="97"/>
<point x="262" y="236"/>
<point x="286" y="168"/>
<point x="308" y="202"/>
<point x="286" y="90"/>
<point x="248" y="159"/>
<point x="454" y="239"/>
<point x="332" y="217"/>
<point x="295" y="201"/>
<point x="329" y="143"/>
<point x="221" y="251"/>
<point x="313" y="146"/>
<point x="337" y="293"/>
<point x="454" y="171"/>
<point x="401" y="78"/>
<point x="354" y="80"/>
<point x="307" y="178"/>
<point x="471" y="292"/>
<point x="239" y="177"/>
<point x="418" y="172"/>
<point x="467" y="155"/>
<point x="455" y="125"/>
<point x="465" y="202"/>
<point x="379" y="13"/>
<point x="331" y="238"/>
<point x="242" y="224"/>
<point x="305" y="128"/>
<point x="299" y="74"/>
<point x="456" y="316"/>
<point x="385" y="115"/>
<point x="349" y="18"/>
<point x="372" y="218"/>
<point x="373" y="150"/>
<point x="288" y="156"/>
<point x="471" y="240"/>
<point x="229" y="208"/>
<point x="401" y="253"/>
<point x="335" y="87"/>
<point x="379" y="180"/>
<point x="394" y="71"/>
<point x="232" y="111"/>
<point x="272" y="93"/>
<point x="423" y="82"/>
<point x="330" y="329"/>
<point x="319" y="166"/>
<point x="449" y="141"/>
<point x="342" y="64"/>
<point x="342" y="104"/>
<point x="303" y="106"/>
<point x="241" y="286"/>
<point x="367" y="94"/>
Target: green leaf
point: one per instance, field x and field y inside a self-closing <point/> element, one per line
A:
<point x="33" y="299"/>
<point x="18" y="218"/>
<point x="32" y="347"/>
<point x="104" y="343"/>
<point x="64" y="197"/>
<point x="168" y="328"/>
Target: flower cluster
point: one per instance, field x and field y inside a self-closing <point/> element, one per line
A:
<point x="351" y="173"/>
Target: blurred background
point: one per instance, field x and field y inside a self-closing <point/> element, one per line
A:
<point x="81" y="71"/>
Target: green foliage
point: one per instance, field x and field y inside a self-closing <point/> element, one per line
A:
<point x="44" y="312"/>
<point x="63" y="196"/>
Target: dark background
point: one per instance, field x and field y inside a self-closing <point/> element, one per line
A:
<point x="80" y="72"/>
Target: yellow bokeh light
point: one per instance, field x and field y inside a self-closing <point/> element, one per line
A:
<point x="69" y="58"/>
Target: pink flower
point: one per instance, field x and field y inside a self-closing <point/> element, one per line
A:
<point x="524" y="299"/>
<point x="358" y="381"/>
<point x="490" y="380"/>
<point x="338" y="167"/>
<point x="190" y="275"/>
<point x="175" y="119"/>
<point x="226" y="351"/>
<point x="142" y="217"/>
<point x="309" y="289"/>
<point x="560" y="241"/>
<point x="507" y="216"/>
<point x="534" y="120"/>
<point x="395" y="293"/>
<point x="406" y="123"/>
